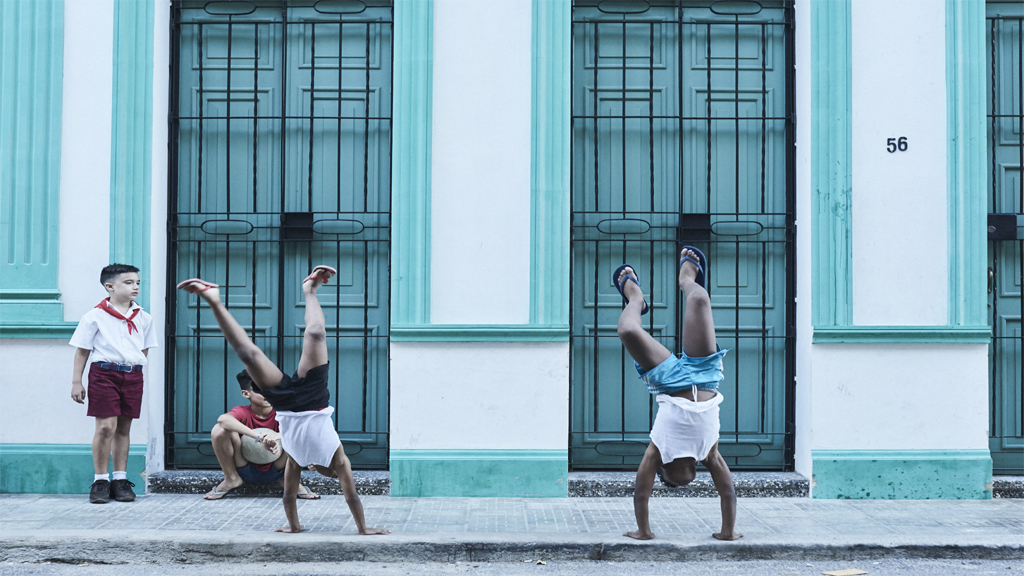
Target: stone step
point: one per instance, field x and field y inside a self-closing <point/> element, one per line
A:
<point x="585" y="484"/>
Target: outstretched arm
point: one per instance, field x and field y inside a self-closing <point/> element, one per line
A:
<point x="343" y="468"/>
<point x="292" y="476"/>
<point x="644" y="485"/>
<point x="726" y="492"/>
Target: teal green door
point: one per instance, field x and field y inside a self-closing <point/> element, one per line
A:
<point x="280" y="161"/>
<point x="1006" y="255"/>
<point x="681" y="135"/>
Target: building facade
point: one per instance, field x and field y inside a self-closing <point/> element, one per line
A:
<point x="475" y="171"/>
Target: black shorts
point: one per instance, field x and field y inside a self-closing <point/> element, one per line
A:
<point x="297" y="394"/>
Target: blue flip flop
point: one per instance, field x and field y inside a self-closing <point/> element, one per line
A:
<point x="701" y="266"/>
<point x="633" y="277"/>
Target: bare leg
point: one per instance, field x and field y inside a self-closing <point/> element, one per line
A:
<point x="227" y="446"/>
<point x="121" y="442"/>
<point x="262" y="371"/>
<point x="314" y="339"/>
<point x="342" y="467"/>
<point x="698" y="323"/>
<point x="101" y="441"/>
<point x="645" y="350"/>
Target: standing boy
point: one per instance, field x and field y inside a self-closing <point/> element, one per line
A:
<point x="301" y="400"/>
<point x="686" y="428"/>
<point x="226" y="437"/>
<point x="116" y="336"/>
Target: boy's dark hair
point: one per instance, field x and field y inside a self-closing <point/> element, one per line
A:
<point x="114" y="270"/>
<point x="245" y="382"/>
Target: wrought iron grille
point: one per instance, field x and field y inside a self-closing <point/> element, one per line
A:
<point x="1006" y="243"/>
<point x="280" y="140"/>
<point x="682" y="123"/>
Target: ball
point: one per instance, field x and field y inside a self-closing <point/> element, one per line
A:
<point x="255" y="452"/>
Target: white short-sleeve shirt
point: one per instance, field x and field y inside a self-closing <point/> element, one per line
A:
<point x="108" y="338"/>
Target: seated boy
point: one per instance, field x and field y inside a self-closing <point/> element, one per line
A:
<point x="226" y="437"/>
<point x="686" y="428"/>
<point x="115" y="336"/>
<point x="301" y="400"/>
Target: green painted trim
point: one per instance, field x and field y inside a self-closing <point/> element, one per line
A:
<point x="56" y="468"/>
<point x="30" y="306"/>
<point x="890" y="334"/>
<point x="480" y="473"/>
<point x="60" y="331"/>
<point x="31" y="99"/>
<point x="411" y="141"/>
<point x="902" y="474"/>
<point x="967" y="172"/>
<point x="480" y="333"/>
<point x="549" y="161"/>
<point x="131" y="137"/>
<point x="831" y="163"/>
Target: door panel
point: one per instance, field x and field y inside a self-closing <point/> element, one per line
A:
<point x="663" y="155"/>
<point x="1006" y="257"/>
<point x="281" y="161"/>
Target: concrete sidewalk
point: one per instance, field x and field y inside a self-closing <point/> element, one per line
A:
<point x="172" y="528"/>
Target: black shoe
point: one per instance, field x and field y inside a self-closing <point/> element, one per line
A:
<point x="99" y="493"/>
<point x="121" y="490"/>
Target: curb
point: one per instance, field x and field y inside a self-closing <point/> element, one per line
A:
<point x="191" y="547"/>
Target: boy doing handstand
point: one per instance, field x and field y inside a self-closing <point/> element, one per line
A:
<point x="686" y="428"/>
<point x="301" y="400"/>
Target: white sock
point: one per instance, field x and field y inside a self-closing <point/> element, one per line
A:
<point x="120" y="475"/>
<point x="102" y="477"/>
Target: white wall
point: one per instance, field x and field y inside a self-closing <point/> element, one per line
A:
<point x="804" y="329"/>
<point x="479" y="395"/>
<point x="480" y="179"/>
<point x="158" y="235"/>
<point x="85" y="154"/>
<point x="900" y="223"/>
<point x="36" y="396"/>
<point x="900" y="396"/>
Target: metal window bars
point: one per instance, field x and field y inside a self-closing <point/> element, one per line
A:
<point x="682" y="122"/>
<point x="1005" y="27"/>
<point x="280" y="142"/>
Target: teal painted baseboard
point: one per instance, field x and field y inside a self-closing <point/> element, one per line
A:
<point x="902" y="334"/>
<point x="57" y="468"/>
<point x="480" y="473"/>
<point x="902" y="474"/>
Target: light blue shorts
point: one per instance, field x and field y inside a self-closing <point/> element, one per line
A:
<point x="682" y="372"/>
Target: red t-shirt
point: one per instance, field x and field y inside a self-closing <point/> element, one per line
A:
<point x="246" y="416"/>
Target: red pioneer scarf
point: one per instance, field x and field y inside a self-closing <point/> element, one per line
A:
<point x="106" y="307"/>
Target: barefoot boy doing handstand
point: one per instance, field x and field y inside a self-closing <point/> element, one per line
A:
<point x="686" y="427"/>
<point x="301" y="400"/>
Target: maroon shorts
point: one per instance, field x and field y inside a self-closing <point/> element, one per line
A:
<point x="113" y="393"/>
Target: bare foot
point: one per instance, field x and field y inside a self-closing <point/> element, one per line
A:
<point x="630" y="289"/>
<point x="723" y="536"/>
<point x="288" y="529"/>
<point x="688" y="271"/>
<point x="373" y="531"/>
<point x="638" y="535"/>
<point x="223" y="489"/>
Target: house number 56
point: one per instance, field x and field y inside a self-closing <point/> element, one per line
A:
<point x="892" y="144"/>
